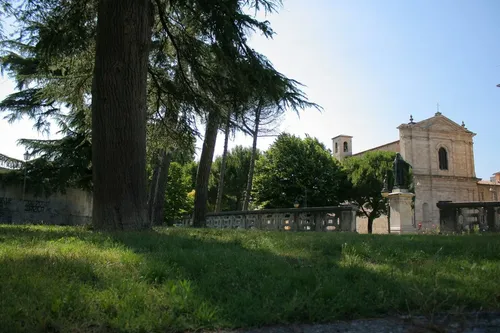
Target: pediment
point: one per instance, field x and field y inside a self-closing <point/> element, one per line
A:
<point x="440" y="123"/>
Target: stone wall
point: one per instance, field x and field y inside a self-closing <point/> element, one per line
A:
<point x="72" y="208"/>
<point x="488" y="191"/>
<point x="379" y="225"/>
<point x="430" y="190"/>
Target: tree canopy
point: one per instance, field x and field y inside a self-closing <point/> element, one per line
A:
<point x="298" y="170"/>
<point x="236" y="175"/>
<point x="366" y="175"/>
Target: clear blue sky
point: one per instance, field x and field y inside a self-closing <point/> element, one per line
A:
<point x="372" y="63"/>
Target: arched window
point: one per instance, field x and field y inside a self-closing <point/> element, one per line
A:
<point x="336" y="147"/>
<point x="443" y="159"/>
<point x="346" y="147"/>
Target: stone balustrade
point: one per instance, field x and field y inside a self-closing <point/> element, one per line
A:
<point x="465" y="216"/>
<point x="330" y="219"/>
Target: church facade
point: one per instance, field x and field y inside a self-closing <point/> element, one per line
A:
<point x="441" y="153"/>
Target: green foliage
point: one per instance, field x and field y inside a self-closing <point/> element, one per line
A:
<point x="177" y="201"/>
<point x="235" y="179"/>
<point x="366" y="174"/>
<point x="199" y="63"/>
<point x="63" y="279"/>
<point x="293" y="169"/>
<point x="49" y="56"/>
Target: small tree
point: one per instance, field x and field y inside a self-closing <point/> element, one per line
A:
<point x="295" y="169"/>
<point x="178" y="202"/>
<point x="366" y="175"/>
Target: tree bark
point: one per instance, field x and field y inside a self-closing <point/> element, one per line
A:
<point x="248" y="190"/>
<point x="370" y="224"/>
<point x="119" y="114"/>
<point x="220" y="188"/>
<point x="157" y="190"/>
<point x="153" y="187"/>
<point x="203" y="174"/>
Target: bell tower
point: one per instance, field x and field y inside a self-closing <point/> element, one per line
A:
<point x="342" y="146"/>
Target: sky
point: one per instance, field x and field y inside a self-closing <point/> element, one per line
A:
<point x="370" y="65"/>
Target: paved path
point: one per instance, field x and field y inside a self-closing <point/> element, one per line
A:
<point x="464" y="323"/>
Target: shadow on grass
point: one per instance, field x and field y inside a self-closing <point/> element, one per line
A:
<point x="178" y="279"/>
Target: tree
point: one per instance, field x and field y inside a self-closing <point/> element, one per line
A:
<point x="275" y="95"/>
<point x="204" y="167"/>
<point x="178" y="202"/>
<point x="235" y="180"/>
<point x="167" y="141"/>
<point x="366" y="174"/>
<point x="119" y="103"/>
<point x="222" y="173"/>
<point x="295" y="169"/>
<point x="192" y="47"/>
<point x="53" y="72"/>
<point x="251" y="78"/>
<point x="254" y="129"/>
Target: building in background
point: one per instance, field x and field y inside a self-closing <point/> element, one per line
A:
<point x="441" y="153"/>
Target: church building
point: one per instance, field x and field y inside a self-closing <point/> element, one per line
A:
<point x="441" y="153"/>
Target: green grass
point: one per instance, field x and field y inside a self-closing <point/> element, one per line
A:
<point x="64" y="279"/>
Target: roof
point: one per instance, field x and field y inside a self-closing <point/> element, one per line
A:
<point x="438" y="121"/>
<point x="342" y="136"/>
<point x="496" y="173"/>
<point x="376" y="148"/>
<point x="487" y="182"/>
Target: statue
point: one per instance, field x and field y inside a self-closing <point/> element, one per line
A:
<point x="401" y="169"/>
<point x="386" y="189"/>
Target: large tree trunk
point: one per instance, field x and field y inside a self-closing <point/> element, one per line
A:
<point x="248" y="190"/>
<point x="157" y="190"/>
<point x="119" y="114"/>
<point x="220" y="188"/>
<point x="203" y="174"/>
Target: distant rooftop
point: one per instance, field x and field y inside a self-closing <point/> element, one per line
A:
<point x="487" y="182"/>
<point x="343" y="136"/>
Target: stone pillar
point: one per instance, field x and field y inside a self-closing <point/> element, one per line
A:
<point x="401" y="212"/>
<point x="348" y="220"/>
<point x="497" y="219"/>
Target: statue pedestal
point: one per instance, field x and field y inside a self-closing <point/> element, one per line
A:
<point x="401" y="212"/>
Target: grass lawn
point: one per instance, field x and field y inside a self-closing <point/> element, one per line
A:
<point x="66" y="279"/>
